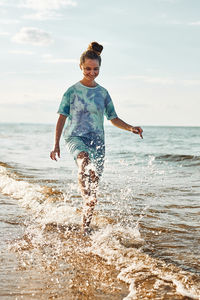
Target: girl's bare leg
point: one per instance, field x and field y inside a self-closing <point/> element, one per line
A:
<point x="88" y="183"/>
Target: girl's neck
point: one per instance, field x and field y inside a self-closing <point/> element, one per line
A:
<point x="88" y="83"/>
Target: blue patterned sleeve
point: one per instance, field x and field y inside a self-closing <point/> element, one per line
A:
<point x="64" y="108"/>
<point x="109" y="112"/>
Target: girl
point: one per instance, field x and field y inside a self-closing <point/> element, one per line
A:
<point x="84" y="105"/>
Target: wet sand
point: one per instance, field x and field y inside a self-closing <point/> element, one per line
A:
<point x="59" y="266"/>
<point x="30" y="272"/>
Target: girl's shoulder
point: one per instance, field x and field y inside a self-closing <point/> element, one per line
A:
<point x="104" y="92"/>
<point x="103" y="88"/>
<point x="70" y="90"/>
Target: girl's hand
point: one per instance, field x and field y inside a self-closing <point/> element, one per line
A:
<point x="55" y="152"/>
<point x="137" y="130"/>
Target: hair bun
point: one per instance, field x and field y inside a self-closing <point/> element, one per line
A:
<point x="97" y="48"/>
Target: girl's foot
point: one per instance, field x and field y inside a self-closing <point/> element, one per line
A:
<point x="86" y="231"/>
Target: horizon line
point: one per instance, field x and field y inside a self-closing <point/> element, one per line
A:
<point x="46" y="123"/>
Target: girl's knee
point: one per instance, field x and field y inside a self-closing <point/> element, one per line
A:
<point x="91" y="202"/>
<point x="83" y="160"/>
<point x="83" y="155"/>
<point x="94" y="176"/>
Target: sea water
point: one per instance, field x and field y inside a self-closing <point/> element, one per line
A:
<point x="145" y="231"/>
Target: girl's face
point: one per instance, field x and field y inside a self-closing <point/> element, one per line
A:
<point x="90" y="69"/>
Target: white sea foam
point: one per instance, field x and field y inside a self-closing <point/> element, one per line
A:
<point x="110" y="243"/>
<point x="113" y="244"/>
<point x="63" y="214"/>
<point x="180" y="280"/>
<point x="29" y="194"/>
<point x="32" y="196"/>
<point x="118" y="245"/>
<point x="191" y="292"/>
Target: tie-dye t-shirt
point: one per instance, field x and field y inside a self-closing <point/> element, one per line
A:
<point x="85" y="108"/>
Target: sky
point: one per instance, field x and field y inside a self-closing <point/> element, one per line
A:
<point x="150" y="61"/>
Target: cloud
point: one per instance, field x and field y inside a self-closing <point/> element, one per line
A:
<point x="9" y="21"/>
<point x="26" y="72"/>
<point x="8" y="4"/>
<point x="197" y="23"/>
<point x="45" y="9"/>
<point x="191" y="82"/>
<point x="3" y="3"/>
<point x="178" y="22"/>
<point x="3" y="33"/>
<point x="48" y="58"/>
<point x="162" y="81"/>
<point x="24" y="52"/>
<point x="174" y="22"/>
<point x="43" y="15"/>
<point x="32" y="35"/>
<point x="41" y="5"/>
<point x="149" y="79"/>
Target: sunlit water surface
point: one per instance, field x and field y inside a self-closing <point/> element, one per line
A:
<point x="145" y="232"/>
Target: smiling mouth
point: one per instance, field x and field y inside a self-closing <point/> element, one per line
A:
<point x="90" y="77"/>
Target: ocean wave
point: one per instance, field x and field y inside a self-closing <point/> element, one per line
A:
<point x="5" y="165"/>
<point x="48" y="205"/>
<point x="41" y="200"/>
<point x="178" y="157"/>
<point x="56" y="227"/>
<point x="147" y="277"/>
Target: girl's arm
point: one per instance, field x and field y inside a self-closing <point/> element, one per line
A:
<point x="123" y="125"/>
<point x="59" y="127"/>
